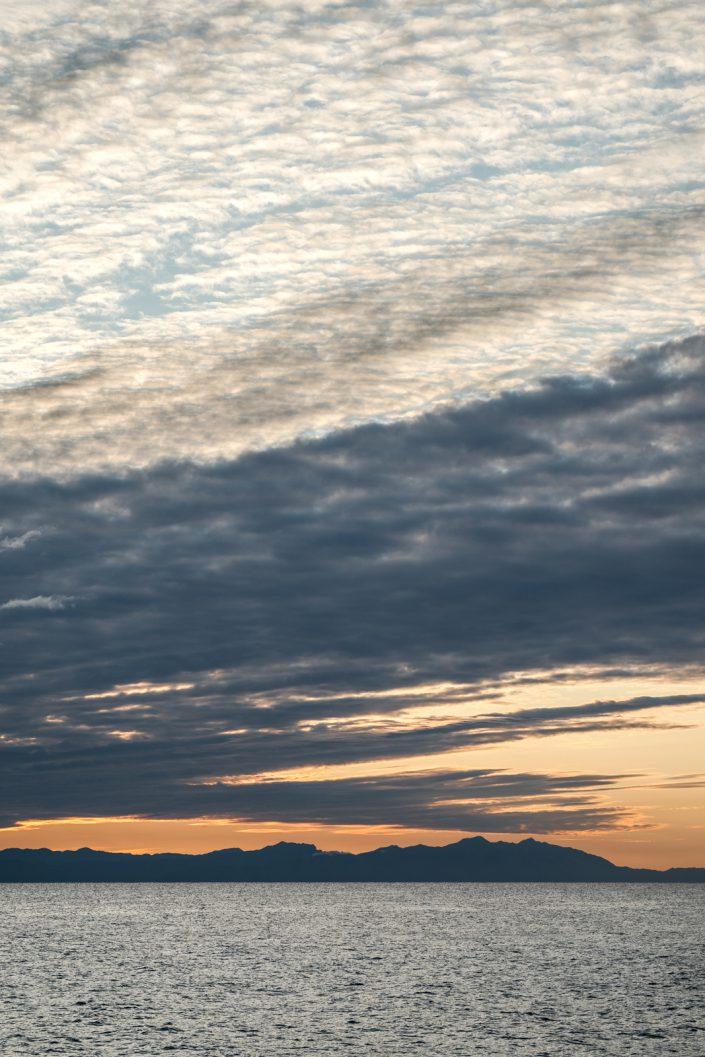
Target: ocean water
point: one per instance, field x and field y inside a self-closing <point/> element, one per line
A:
<point x="447" y="969"/>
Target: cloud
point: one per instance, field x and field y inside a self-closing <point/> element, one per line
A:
<point x="486" y="800"/>
<point x="310" y="598"/>
<point x="475" y="800"/>
<point x="228" y="226"/>
<point x="12" y="543"/>
<point x="38" y="602"/>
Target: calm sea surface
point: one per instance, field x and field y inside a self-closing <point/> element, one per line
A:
<point x="259" y="969"/>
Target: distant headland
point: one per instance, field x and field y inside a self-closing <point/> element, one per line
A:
<point x="472" y="859"/>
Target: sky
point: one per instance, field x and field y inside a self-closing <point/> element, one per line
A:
<point x="352" y="398"/>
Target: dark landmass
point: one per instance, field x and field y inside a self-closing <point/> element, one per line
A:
<point x="473" y="859"/>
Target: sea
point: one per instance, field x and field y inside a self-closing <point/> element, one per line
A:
<point x="449" y="970"/>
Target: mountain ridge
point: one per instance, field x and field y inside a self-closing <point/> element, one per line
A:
<point x="472" y="859"/>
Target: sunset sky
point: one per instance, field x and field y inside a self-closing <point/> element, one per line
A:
<point x="352" y="424"/>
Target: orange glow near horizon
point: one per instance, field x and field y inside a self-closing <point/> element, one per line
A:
<point x="668" y="842"/>
<point x="661" y="791"/>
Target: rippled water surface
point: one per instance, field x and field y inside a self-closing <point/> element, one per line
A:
<point x="259" y="969"/>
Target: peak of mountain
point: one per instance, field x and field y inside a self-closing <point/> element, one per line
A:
<point x="470" y="859"/>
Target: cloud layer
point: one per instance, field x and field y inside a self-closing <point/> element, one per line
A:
<point x="294" y="607"/>
<point x="227" y="226"/>
<point x="352" y="406"/>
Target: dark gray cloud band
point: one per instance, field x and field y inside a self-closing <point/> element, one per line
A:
<point x="553" y="527"/>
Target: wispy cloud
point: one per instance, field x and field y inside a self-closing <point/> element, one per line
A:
<point x="51" y="602"/>
<point x="14" y="543"/>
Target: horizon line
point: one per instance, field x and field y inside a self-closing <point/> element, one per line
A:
<point x="478" y="838"/>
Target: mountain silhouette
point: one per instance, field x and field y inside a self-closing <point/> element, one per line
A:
<point x="472" y="859"/>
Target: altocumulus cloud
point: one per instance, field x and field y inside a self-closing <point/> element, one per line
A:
<point x="227" y="226"/>
<point x="282" y="610"/>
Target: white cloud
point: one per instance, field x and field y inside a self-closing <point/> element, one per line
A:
<point x="227" y="226"/>
<point x="51" y="602"/>
<point x="16" y="543"/>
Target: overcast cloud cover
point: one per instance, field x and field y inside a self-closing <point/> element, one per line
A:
<point x="187" y="625"/>
<point x="354" y="378"/>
